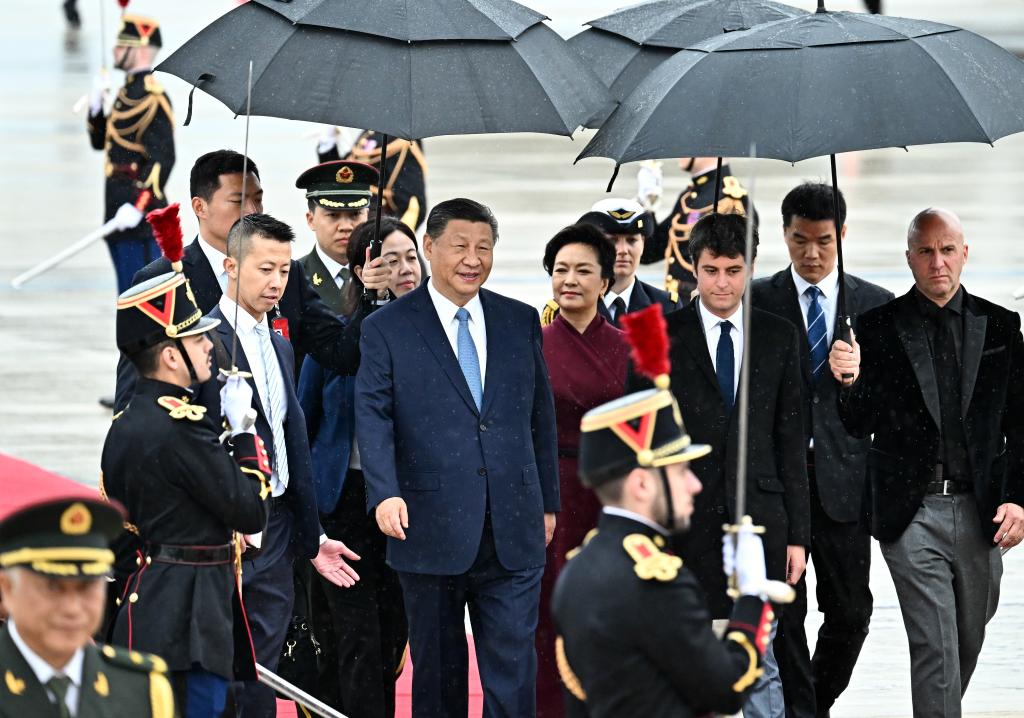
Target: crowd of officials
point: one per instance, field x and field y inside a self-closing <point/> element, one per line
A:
<point x="319" y="463"/>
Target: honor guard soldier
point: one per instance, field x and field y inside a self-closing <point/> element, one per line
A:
<point x="338" y="197"/>
<point x="405" y="195"/>
<point x="186" y="493"/>
<point x="137" y="138"/>
<point x="698" y="199"/>
<point x="54" y="563"/>
<point x="635" y="635"/>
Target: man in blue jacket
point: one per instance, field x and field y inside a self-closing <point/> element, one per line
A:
<point x="453" y="404"/>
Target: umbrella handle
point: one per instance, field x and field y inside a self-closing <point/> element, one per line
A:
<point x="370" y="296"/>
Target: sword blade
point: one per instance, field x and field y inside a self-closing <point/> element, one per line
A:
<point x="294" y="693"/>
<point x="64" y="254"/>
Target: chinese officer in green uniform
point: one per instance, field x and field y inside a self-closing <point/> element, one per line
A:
<point x="54" y="563"/>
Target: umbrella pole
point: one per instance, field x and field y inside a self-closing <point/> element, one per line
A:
<point x="241" y="216"/>
<point x="845" y="325"/>
<point x="718" y="186"/>
<point x="370" y="296"/>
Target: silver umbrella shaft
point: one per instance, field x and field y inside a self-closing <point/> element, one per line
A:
<point x="294" y="693"/>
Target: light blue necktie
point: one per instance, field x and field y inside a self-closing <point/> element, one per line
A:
<point x="275" y="407"/>
<point x="469" y="362"/>
<point x="817" y="332"/>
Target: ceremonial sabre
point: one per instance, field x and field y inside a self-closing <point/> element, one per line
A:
<point x="296" y="694"/>
<point x="108" y="227"/>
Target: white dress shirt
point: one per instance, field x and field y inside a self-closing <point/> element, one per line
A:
<point x="216" y="259"/>
<point x="446" y="310"/>
<point x="626" y="295"/>
<point x="829" y="287"/>
<point x="713" y="330"/>
<point x="626" y="513"/>
<point x="44" y="671"/>
<point x="333" y="267"/>
<point x="250" y="344"/>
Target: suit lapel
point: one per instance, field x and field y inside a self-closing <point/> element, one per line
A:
<point x="322" y="281"/>
<point x="94" y="696"/>
<point x="692" y="337"/>
<point x="497" y="322"/>
<point x="974" y="343"/>
<point x="915" y="343"/>
<point x="639" y="299"/>
<point x="241" y="361"/>
<point x="428" y="325"/>
<point x="21" y="691"/>
<point x="201" y="277"/>
<point x="789" y="307"/>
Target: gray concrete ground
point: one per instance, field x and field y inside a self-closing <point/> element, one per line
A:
<point x="56" y="335"/>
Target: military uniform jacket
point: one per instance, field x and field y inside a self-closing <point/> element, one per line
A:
<point x="635" y="636"/>
<point x="137" y="138"/>
<point x="405" y="195"/>
<point x="672" y="234"/>
<point x="115" y="683"/>
<point x="163" y="460"/>
<point x="330" y="293"/>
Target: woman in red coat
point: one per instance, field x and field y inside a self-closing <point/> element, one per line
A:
<point x="587" y="359"/>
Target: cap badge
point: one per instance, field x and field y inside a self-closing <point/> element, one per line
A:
<point x="345" y="175"/>
<point x="76" y="520"/>
<point x="621" y="214"/>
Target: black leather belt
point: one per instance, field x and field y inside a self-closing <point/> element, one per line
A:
<point x="947" y="487"/>
<point x="192" y="555"/>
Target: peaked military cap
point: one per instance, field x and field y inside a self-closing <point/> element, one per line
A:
<point x="340" y="185"/>
<point x="139" y="31"/>
<point x="66" y="537"/>
<point x="159" y="308"/>
<point x="619" y="216"/>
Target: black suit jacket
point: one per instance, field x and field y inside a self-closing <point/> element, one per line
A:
<point x="313" y="329"/>
<point x="777" y="493"/>
<point x="643" y="296"/>
<point x="896" y="399"/>
<point x="839" y="459"/>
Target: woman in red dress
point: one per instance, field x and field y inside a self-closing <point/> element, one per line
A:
<point x="587" y="360"/>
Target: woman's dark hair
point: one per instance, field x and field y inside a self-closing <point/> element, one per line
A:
<point x="356" y="254"/>
<point x="588" y="235"/>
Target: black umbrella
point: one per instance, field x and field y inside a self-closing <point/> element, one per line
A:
<point x="625" y="46"/>
<point x="819" y="85"/>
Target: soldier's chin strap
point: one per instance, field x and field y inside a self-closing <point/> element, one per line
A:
<point x="670" y="520"/>
<point x="193" y="380"/>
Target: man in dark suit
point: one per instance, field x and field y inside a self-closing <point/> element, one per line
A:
<point x="453" y="404"/>
<point x="627" y="226"/>
<point x="216" y="188"/>
<point x="936" y="378"/>
<point x="293" y="529"/>
<point x="707" y="346"/>
<point x="805" y="293"/>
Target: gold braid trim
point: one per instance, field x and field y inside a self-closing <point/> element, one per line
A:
<point x="161" y="697"/>
<point x="572" y="683"/>
<point x="548" y="313"/>
<point x="753" y="672"/>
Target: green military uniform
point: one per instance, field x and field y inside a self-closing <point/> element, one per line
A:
<point x="67" y="539"/>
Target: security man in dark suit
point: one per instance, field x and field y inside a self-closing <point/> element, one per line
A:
<point x="670" y="236"/>
<point x="137" y="138"/>
<point x="936" y="379"/>
<point x="186" y="495"/>
<point x="805" y="293"/>
<point x="627" y="226"/>
<point x="54" y="563"/>
<point x="634" y="632"/>
<point x="405" y="196"/>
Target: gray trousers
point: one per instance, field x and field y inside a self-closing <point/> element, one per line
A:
<point x="947" y="580"/>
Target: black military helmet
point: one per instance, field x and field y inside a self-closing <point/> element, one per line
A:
<point x="158" y="309"/>
<point x="139" y="31"/>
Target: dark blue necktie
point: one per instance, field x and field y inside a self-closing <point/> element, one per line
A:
<point x="725" y="366"/>
<point x="817" y="333"/>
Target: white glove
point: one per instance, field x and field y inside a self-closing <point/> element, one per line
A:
<point x="98" y="93"/>
<point x="127" y="217"/>
<point x="745" y="560"/>
<point x="236" y="405"/>
<point x="648" y="184"/>
<point x="327" y="140"/>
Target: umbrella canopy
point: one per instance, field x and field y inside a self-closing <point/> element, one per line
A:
<point x="414" y="20"/>
<point x="816" y="85"/>
<point x="625" y="46"/>
<point x="404" y="89"/>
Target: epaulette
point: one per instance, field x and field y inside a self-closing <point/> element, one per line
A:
<point x="548" y="313"/>
<point x="153" y="85"/>
<point x="651" y="562"/>
<point x="142" y="662"/>
<point x="731" y="188"/>
<point x="586" y="539"/>
<point x="161" y="695"/>
<point x="181" y="409"/>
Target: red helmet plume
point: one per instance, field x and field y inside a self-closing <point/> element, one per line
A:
<point x="647" y="333"/>
<point x="167" y="232"/>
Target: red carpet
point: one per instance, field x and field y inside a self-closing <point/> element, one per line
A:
<point x="403" y="697"/>
<point x="22" y="483"/>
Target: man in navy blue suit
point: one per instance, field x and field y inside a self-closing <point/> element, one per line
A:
<point x="455" y="417"/>
<point x="259" y="249"/>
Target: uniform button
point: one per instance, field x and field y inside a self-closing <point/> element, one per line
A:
<point x="720" y="420"/>
<point x="720" y="509"/>
<point x="817" y="399"/>
<point x="483" y="427"/>
<point x="481" y="471"/>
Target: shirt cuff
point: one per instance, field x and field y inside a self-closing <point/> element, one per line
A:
<point x="323" y="539"/>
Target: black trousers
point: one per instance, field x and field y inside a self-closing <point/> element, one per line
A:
<point x="841" y="553"/>
<point x="362" y="629"/>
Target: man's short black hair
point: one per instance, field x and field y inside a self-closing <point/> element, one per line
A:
<point x="251" y="225"/>
<point x="723" y="235"/>
<point x="206" y="172"/>
<point x="459" y="208"/>
<point x="812" y="201"/>
<point x="147" y="361"/>
<point x="586" y="234"/>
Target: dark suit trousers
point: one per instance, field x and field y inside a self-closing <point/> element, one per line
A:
<point x="503" y="612"/>
<point x="841" y="553"/>
<point x="268" y="590"/>
<point x="362" y="629"/>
